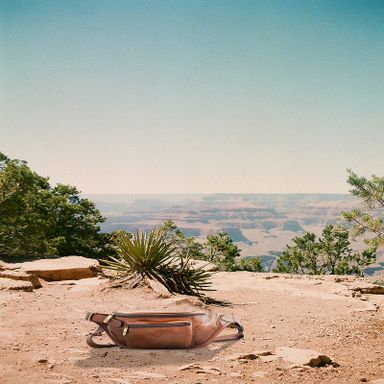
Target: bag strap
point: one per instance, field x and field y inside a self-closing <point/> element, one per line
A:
<point x="237" y="336"/>
<point x="103" y="323"/>
<point x="99" y="331"/>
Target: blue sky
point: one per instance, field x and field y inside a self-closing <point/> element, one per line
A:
<point x="194" y="96"/>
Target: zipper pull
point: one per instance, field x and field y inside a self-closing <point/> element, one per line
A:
<point x="125" y="330"/>
<point x="108" y="318"/>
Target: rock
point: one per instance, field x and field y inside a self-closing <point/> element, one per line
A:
<point x="186" y="300"/>
<point x="19" y="275"/>
<point x="370" y="289"/>
<point x="269" y="277"/>
<point x="42" y="360"/>
<point x="209" y="370"/>
<point x="246" y="356"/>
<point x="159" y="288"/>
<point x="189" y="367"/>
<point x="4" y="266"/>
<point x="304" y="357"/>
<point x="63" y="268"/>
<point x="15" y="285"/>
<point x="200" y="369"/>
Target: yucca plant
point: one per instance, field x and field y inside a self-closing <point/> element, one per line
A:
<point x="151" y="255"/>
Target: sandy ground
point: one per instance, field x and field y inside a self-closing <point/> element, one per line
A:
<point x="312" y="313"/>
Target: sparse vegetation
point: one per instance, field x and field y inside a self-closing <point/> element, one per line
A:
<point x="152" y="255"/>
<point x="218" y="249"/>
<point x="367" y="221"/>
<point x="252" y="264"/>
<point x="329" y="254"/>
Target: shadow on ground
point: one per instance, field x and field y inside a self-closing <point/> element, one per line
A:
<point x="117" y="357"/>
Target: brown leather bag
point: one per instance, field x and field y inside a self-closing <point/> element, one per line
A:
<point x="162" y="330"/>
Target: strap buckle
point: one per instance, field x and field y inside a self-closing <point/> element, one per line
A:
<point x="109" y="317"/>
<point x="88" y="315"/>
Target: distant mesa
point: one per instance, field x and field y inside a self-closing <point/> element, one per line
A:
<point x="292" y="226"/>
<point x="236" y="235"/>
<point x="195" y="232"/>
<point x="268" y="225"/>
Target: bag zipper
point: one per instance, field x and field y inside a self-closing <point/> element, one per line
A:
<point x="159" y="325"/>
<point x="149" y="314"/>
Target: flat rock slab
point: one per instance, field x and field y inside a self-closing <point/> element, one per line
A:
<point x="63" y="268"/>
<point x="303" y="356"/>
<point x="15" y="285"/>
<point x="20" y="275"/>
<point x="370" y="289"/>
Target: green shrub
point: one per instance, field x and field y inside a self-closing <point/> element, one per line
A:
<point x="151" y="255"/>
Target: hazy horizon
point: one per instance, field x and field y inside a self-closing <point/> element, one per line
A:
<point x="138" y="97"/>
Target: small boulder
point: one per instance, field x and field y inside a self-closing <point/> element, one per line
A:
<point x="15" y="285"/>
<point x="159" y="288"/>
<point x="19" y="275"/>
<point x="304" y="357"/>
<point x="367" y="288"/>
<point x="41" y="360"/>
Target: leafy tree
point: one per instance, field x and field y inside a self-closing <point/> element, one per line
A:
<point x="187" y="247"/>
<point x="39" y="220"/>
<point x="251" y="265"/>
<point x="221" y="250"/>
<point x="330" y="254"/>
<point x="300" y="258"/>
<point x="367" y="221"/>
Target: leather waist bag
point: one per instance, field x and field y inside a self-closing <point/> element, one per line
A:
<point x="162" y="330"/>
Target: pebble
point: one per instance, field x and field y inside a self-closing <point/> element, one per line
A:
<point x="42" y="360"/>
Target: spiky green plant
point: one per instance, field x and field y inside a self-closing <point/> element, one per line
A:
<point x="151" y="255"/>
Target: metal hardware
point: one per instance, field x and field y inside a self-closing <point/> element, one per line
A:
<point x="108" y="318"/>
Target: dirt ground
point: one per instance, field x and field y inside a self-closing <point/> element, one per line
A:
<point x="43" y="333"/>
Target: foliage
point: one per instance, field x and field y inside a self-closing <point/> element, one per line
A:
<point x="154" y="256"/>
<point x="221" y="250"/>
<point x="363" y="221"/>
<point x="330" y="254"/>
<point x="187" y="247"/>
<point x="251" y="265"/>
<point x="218" y="249"/>
<point x="39" y="220"/>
